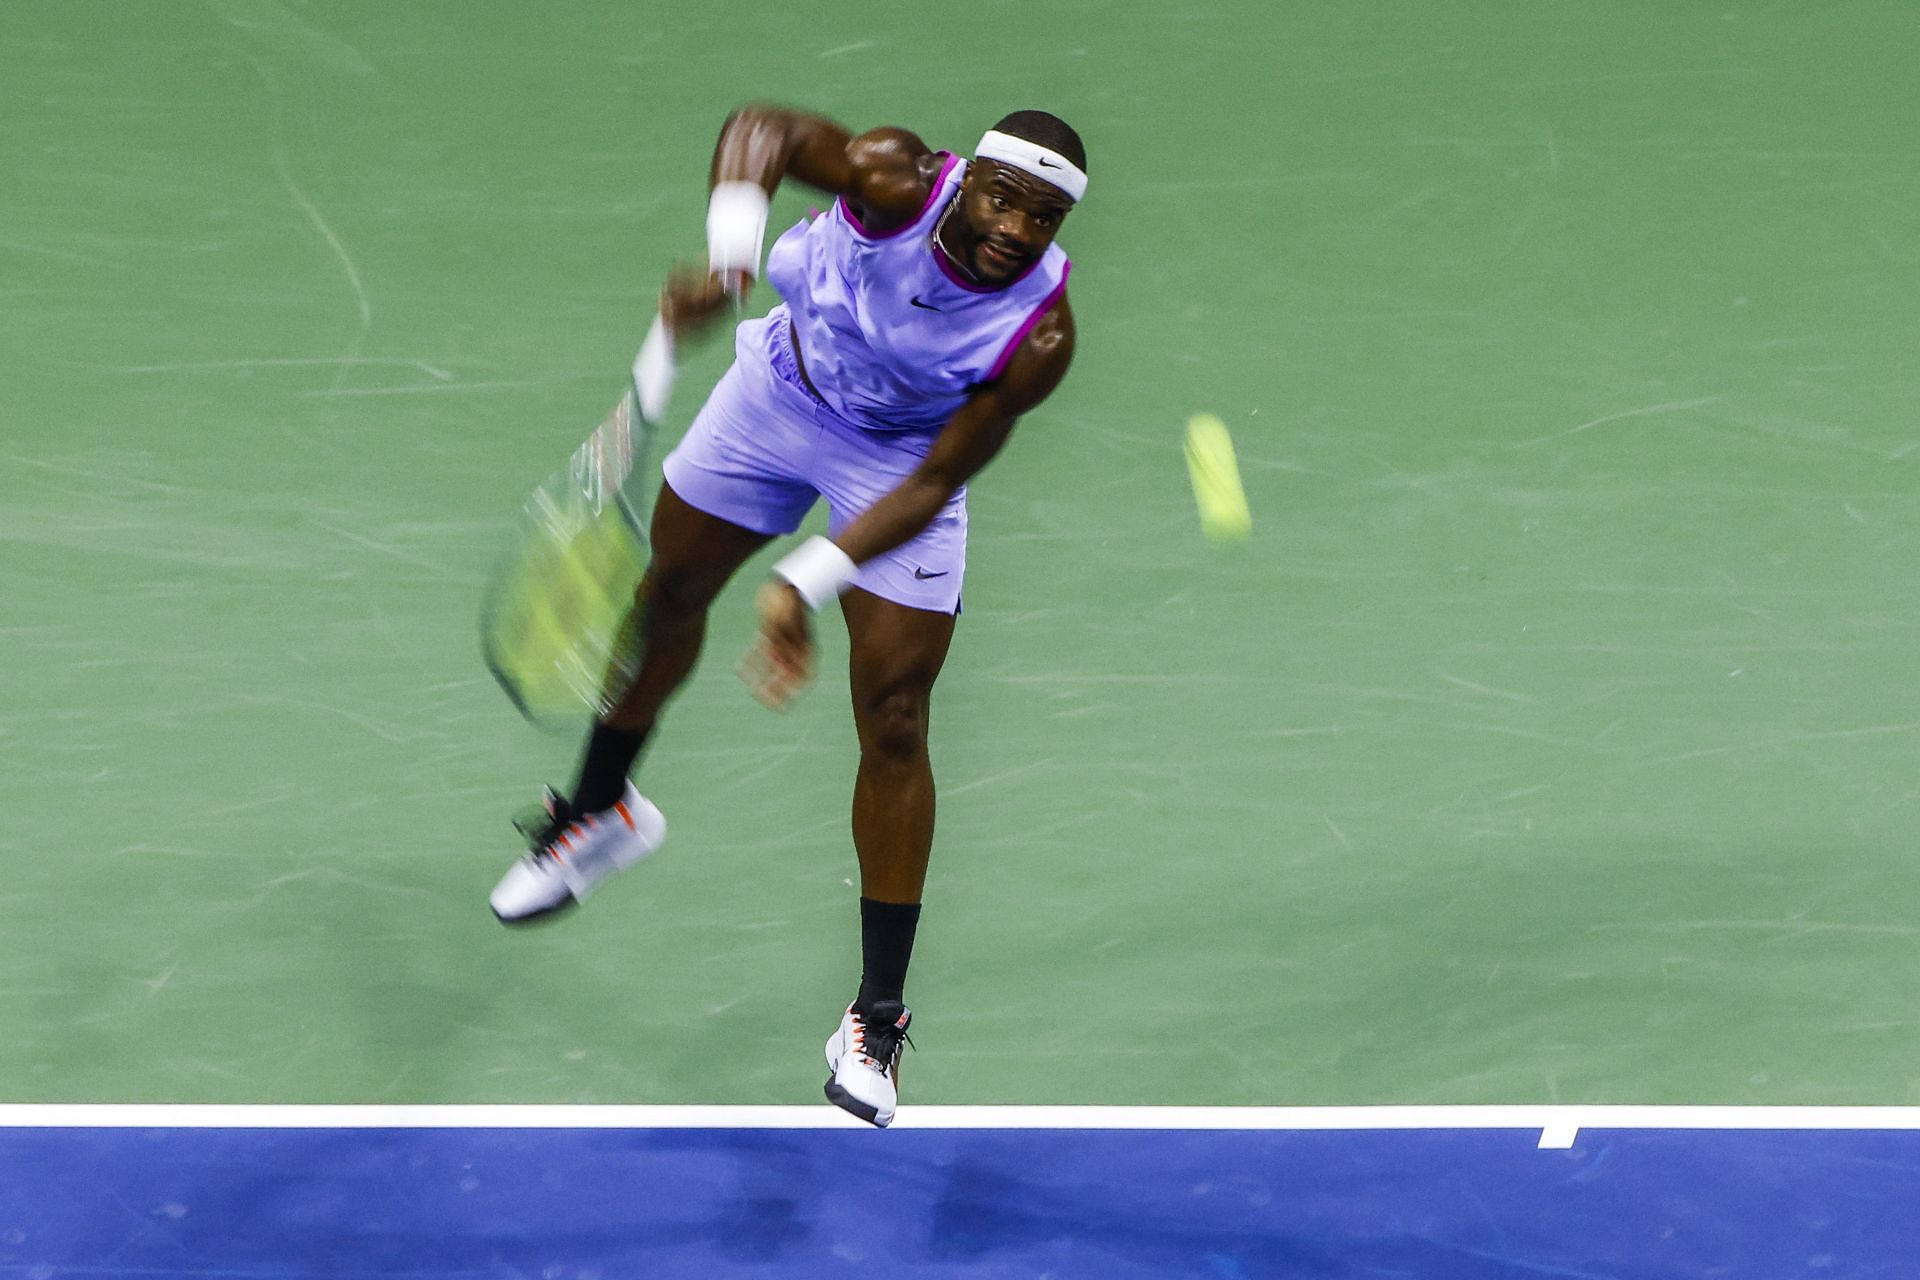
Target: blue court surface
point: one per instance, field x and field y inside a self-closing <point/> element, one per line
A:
<point x="1294" y="1194"/>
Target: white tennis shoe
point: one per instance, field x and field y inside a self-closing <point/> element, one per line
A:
<point x="864" y="1057"/>
<point x="574" y="853"/>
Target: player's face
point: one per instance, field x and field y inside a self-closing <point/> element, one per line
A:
<point x="1008" y="218"/>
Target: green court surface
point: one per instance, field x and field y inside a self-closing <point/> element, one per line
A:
<point x="1552" y="740"/>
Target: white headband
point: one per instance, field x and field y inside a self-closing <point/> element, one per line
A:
<point x="1031" y="157"/>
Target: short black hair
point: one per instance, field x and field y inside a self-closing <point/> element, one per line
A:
<point x="1047" y="129"/>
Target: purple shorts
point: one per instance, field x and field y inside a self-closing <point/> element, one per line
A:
<point x="763" y="449"/>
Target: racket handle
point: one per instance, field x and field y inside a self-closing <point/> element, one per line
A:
<point x="653" y="372"/>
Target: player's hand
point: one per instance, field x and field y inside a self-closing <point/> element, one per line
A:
<point x="780" y="664"/>
<point x="693" y="298"/>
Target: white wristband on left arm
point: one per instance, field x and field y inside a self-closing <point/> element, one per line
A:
<point x="736" y="227"/>
<point x="818" y="570"/>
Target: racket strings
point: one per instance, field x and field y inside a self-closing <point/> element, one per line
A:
<point x="559" y="626"/>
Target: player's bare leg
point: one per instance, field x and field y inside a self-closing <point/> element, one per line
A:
<point x="897" y="653"/>
<point x="694" y="554"/>
<point x="607" y="825"/>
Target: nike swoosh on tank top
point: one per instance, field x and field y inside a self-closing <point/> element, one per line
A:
<point x="893" y="337"/>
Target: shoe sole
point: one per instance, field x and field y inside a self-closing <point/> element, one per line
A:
<point x="543" y="916"/>
<point x="854" y="1107"/>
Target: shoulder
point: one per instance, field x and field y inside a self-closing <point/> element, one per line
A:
<point x="893" y="175"/>
<point x="1040" y="361"/>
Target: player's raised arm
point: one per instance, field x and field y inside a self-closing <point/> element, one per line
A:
<point x="884" y="174"/>
<point x="882" y="171"/>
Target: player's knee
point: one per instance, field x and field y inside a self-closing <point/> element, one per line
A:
<point x="672" y="591"/>
<point x="894" y="723"/>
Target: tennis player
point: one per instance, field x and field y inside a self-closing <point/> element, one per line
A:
<point x="921" y="315"/>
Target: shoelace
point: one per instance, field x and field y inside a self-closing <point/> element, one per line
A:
<point x="542" y="825"/>
<point x="879" y="1045"/>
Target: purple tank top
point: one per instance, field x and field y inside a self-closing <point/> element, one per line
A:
<point x="894" y="339"/>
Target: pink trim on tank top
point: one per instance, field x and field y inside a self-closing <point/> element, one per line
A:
<point x="846" y="209"/>
<point x="1020" y="335"/>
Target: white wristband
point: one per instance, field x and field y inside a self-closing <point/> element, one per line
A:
<point x="736" y="227"/>
<point x="653" y="372"/>
<point x="818" y="570"/>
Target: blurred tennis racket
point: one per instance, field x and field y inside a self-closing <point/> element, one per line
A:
<point x="557" y="624"/>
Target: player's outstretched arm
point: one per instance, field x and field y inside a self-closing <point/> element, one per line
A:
<point x="968" y="442"/>
<point x="782" y="659"/>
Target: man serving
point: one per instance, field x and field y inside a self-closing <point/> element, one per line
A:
<point x="921" y="315"/>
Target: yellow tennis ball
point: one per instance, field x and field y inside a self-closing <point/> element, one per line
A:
<point x="1216" y="480"/>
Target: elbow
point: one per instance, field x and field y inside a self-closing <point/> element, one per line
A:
<point x="753" y="136"/>
<point x="756" y="117"/>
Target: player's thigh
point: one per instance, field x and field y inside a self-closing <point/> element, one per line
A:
<point x="743" y="458"/>
<point x="896" y="653"/>
<point x="694" y="553"/>
<point x="854" y="470"/>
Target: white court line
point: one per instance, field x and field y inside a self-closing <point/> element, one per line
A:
<point x="1558" y="1125"/>
<point x="1558" y="1135"/>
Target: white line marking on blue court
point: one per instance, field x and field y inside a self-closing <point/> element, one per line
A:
<point x="1558" y="1136"/>
<point x="1558" y="1125"/>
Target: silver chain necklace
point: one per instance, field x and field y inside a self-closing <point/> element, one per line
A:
<point x="940" y="227"/>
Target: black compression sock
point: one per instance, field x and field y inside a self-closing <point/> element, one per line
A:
<point x="603" y="769"/>
<point x="886" y="945"/>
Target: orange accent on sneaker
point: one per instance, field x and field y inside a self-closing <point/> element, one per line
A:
<point x="626" y="814"/>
